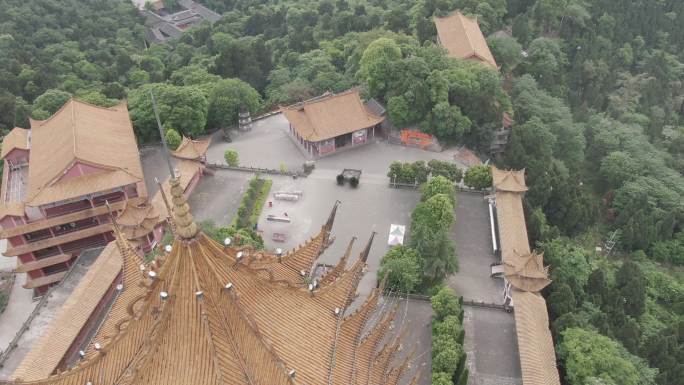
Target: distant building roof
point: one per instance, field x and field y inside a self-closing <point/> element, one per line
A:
<point x="535" y="345"/>
<point x="81" y="133"/>
<point x="330" y="116"/>
<point x="17" y="138"/>
<point x="192" y="149"/>
<point x="375" y="107"/>
<point x="508" y="180"/>
<point x="462" y="38"/>
<point x="526" y="272"/>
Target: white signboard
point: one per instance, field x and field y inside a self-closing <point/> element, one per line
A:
<point x="396" y="235"/>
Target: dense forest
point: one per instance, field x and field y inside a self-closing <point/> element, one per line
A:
<point x="594" y="88"/>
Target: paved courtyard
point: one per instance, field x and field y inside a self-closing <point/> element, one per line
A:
<point x="269" y="144"/>
<point x="472" y="235"/>
<point x="490" y="341"/>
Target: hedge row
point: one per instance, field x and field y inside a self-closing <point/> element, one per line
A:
<point x="252" y="202"/>
<point x="419" y="171"/>
<point x="449" y="360"/>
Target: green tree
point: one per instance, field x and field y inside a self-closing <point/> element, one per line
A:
<point x="231" y="157"/>
<point x="631" y="283"/>
<point x="181" y="107"/>
<point x="402" y="265"/>
<point x="173" y="138"/>
<point x="618" y="167"/>
<point x="478" y="177"/>
<point x="445" y="303"/>
<point x="376" y="65"/>
<point x="507" y="52"/>
<point x="450" y="327"/>
<point x="448" y="359"/>
<point x="437" y="185"/>
<point x="431" y="222"/>
<point x="96" y="98"/>
<point x="562" y="300"/>
<point x="51" y="101"/>
<point x="227" y="98"/>
<point x="441" y="378"/>
<point x="588" y="354"/>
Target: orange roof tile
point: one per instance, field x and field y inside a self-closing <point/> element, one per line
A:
<point x="535" y="345"/>
<point x="330" y="115"/>
<point x="192" y="149"/>
<point x="206" y="319"/>
<point x="508" y="180"/>
<point x="462" y="38"/>
<point x="82" y="133"/>
<point x="17" y="138"/>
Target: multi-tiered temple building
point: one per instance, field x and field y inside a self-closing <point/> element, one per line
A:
<point x="56" y="179"/>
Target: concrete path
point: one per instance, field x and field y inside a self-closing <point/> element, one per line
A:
<point x="490" y="341"/>
<point x="20" y="303"/>
<point x="472" y="235"/>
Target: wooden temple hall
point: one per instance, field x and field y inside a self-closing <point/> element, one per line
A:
<point x="210" y="313"/>
<point x="57" y="177"/>
<point x="331" y="122"/>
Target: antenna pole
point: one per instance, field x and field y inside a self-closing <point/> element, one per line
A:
<point x="165" y="151"/>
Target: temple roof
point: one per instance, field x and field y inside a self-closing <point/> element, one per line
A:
<point x="508" y="180"/>
<point x="17" y="138"/>
<point x="527" y="275"/>
<point x="73" y="136"/>
<point x="526" y="271"/>
<point x="535" y="345"/>
<point x="192" y="149"/>
<point x="138" y="220"/>
<point x="462" y="38"/>
<point x="206" y="317"/>
<point x="330" y="115"/>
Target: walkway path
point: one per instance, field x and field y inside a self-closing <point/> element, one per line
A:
<point x="20" y="303"/>
<point x="490" y="342"/>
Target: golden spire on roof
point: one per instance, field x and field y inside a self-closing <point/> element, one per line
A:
<point x="186" y="227"/>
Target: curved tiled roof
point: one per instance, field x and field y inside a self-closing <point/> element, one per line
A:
<point x="192" y="149"/>
<point x="527" y="275"/>
<point x="74" y="135"/>
<point x="462" y="38"/>
<point x="330" y="115"/>
<point x="206" y="318"/>
<point x="526" y="271"/>
<point x="508" y="180"/>
<point x="17" y="138"/>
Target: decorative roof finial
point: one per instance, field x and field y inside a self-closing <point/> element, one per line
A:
<point x="186" y="227"/>
<point x="169" y="210"/>
<point x="121" y="243"/>
<point x="331" y="218"/>
<point x="366" y="250"/>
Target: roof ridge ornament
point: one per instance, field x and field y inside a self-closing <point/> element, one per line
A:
<point x="186" y="227"/>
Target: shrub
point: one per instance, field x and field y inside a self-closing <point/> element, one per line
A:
<point x="450" y="327"/>
<point x="448" y="359"/>
<point x="437" y="185"/>
<point x="478" y="177"/>
<point x="173" y="138"/>
<point x="403" y="266"/>
<point x="441" y="378"/>
<point x="446" y="169"/>
<point x="232" y="158"/>
<point x="354" y="181"/>
<point x="340" y="179"/>
<point x="445" y="303"/>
